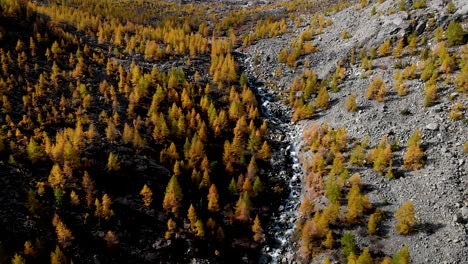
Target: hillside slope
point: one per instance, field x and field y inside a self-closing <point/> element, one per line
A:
<point x="439" y="189"/>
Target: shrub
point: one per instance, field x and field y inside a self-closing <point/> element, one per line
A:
<point x="456" y="112"/>
<point x="418" y="4"/>
<point x="345" y="35"/>
<point x="451" y="8"/>
<point x="402" y="5"/>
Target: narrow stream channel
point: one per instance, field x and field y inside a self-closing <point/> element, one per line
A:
<point x="285" y="166"/>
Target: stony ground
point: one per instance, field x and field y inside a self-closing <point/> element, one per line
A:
<point x="439" y="190"/>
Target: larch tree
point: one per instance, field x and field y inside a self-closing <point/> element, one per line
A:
<point x="430" y="94"/>
<point x="103" y="208"/>
<point x="365" y="257"/>
<point x="243" y="207"/>
<point x="113" y="163"/>
<point x="192" y="216"/>
<point x="257" y="186"/>
<point x="397" y="51"/>
<point x="257" y="230"/>
<point x="57" y="256"/>
<point x="213" y="199"/>
<point x="405" y="218"/>
<point x="350" y="103"/>
<point x="111" y="239"/>
<point x="357" y="156"/>
<point x="328" y="242"/>
<point x="355" y="205"/>
<point x="348" y="244"/>
<point x="88" y="186"/>
<point x="387" y="260"/>
<point x="252" y="169"/>
<point x="402" y="256"/>
<point x="384" y="49"/>
<point x="381" y="155"/>
<point x="376" y="90"/>
<point x="171" y="228"/>
<point x="64" y="235"/>
<point x="265" y="151"/>
<point x="173" y="196"/>
<point x="414" y="156"/>
<point x="352" y="258"/>
<point x="147" y="195"/>
<point x="35" y="152"/>
<point x="232" y="188"/>
<point x="74" y="198"/>
<point x="199" y="229"/>
<point x="29" y="249"/>
<point x="372" y="225"/>
<point x="323" y="98"/>
<point x="454" y="33"/>
<point x="18" y="259"/>
<point x="56" y="178"/>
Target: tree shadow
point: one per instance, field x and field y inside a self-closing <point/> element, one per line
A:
<point x="428" y="228"/>
<point x="333" y="102"/>
<point x="363" y="107"/>
<point x="398" y="173"/>
<point x="367" y="188"/>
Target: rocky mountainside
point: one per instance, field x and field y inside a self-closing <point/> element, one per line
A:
<point x="438" y="190"/>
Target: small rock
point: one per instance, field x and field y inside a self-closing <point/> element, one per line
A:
<point x="432" y="126"/>
<point x="460" y="162"/>
<point x="464" y="212"/>
<point x="437" y="109"/>
<point x="457" y="218"/>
